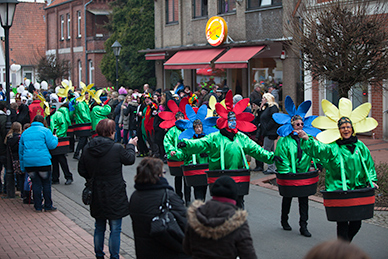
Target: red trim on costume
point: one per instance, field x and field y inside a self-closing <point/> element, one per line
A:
<point x="63" y="143"/>
<point x="70" y="130"/>
<point x="195" y="172"/>
<point x="175" y="163"/>
<point x="297" y="182"/>
<point x="237" y="179"/>
<point x="349" y="202"/>
<point x="82" y="128"/>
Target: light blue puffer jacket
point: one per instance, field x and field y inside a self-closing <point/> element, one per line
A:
<point x="34" y="146"/>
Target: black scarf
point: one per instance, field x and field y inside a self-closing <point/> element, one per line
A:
<point x="297" y="139"/>
<point x="228" y="134"/>
<point x="161" y="184"/>
<point x="350" y="143"/>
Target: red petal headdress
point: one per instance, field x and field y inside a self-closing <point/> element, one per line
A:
<point x="169" y="117"/>
<point x="243" y="119"/>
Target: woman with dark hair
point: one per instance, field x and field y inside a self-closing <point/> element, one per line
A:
<point x="35" y="159"/>
<point x="144" y="204"/>
<point x="101" y="164"/>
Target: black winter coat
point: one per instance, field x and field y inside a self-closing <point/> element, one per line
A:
<point x="103" y="158"/>
<point x="144" y="206"/>
<point x="268" y="127"/>
<point x="217" y="230"/>
<point x="131" y="111"/>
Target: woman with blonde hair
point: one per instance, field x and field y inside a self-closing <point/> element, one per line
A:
<point x="268" y="126"/>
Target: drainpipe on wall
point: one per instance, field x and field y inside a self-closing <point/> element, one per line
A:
<point x="86" y="47"/>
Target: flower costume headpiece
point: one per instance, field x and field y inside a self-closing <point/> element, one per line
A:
<point x="67" y="86"/>
<point x="358" y="117"/>
<point x="211" y="111"/>
<point x="192" y="99"/>
<point x="295" y="114"/>
<point x="84" y="90"/>
<point x="43" y="103"/>
<point x="169" y="117"/>
<point x="207" y="123"/>
<point x="243" y="119"/>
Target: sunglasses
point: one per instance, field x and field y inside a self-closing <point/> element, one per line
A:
<point x="299" y="124"/>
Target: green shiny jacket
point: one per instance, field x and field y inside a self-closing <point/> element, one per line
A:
<point x="356" y="166"/>
<point x="82" y="113"/>
<point x="211" y="144"/>
<point x="170" y="143"/>
<point x="287" y="149"/>
<point x="60" y="120"/>
<point x="99" y="113"/>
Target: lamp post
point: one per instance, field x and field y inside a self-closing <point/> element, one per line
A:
<point x="116" y="50"/>
<point x="7" y="11"/>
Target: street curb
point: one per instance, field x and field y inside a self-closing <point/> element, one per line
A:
<point x="263" y="182"/>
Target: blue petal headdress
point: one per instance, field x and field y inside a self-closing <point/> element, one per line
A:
<point x="285" y="119"/>
<point x="207" y="124"/>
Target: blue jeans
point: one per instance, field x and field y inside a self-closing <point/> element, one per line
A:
<point x="114" y="237"/>
<point x="118" y="133"/>
<point x="41" y="181"/>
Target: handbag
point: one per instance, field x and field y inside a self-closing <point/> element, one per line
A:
<point x="87" y="192"/>
<point x="165" y="222"/>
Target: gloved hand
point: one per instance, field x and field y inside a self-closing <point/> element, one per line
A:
<point x="181" y="145"/>
<point x="203" y="155"/>
<point x="278" y="159"/>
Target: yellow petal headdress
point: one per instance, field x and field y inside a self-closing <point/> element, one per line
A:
<point x="44" y="103"/>
<point x="212" y="106"/>
<point x="63" y="92"/>
<point x="329" y="122"/>
<point x="84" y="90"/>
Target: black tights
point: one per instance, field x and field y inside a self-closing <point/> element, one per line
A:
<point x="346" y="230"/>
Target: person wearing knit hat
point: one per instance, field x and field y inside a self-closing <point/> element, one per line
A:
<point x="218" y="224"/>
<point x="348" y="162"/>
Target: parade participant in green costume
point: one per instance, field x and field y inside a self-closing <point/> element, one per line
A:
<point x="294" y="160"/>
<point x="232" y="143"/>
<point x="341" y="152"/>
<point x="81" y="115"/>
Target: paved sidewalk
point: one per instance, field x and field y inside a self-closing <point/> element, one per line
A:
<point x="28" y="234"/>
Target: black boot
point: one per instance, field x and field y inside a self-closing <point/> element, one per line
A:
<point x="285" y="225"/>
<point x="304" y="232"/>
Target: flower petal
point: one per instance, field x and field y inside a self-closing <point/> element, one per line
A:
<point x="222" y="123"/>
<point x="330" y="110"/>
<point x="281" y="118"/>
<point x="241" y="106"/>
<point x="182" y="105"/>
<point x="208" y="130"/>
<point x="311" y="131"/>
<point x="360" y="113"/>
<point x="210" y="122"/>
<point x="245" y="116"/>
<point x="167" y="124"/>
<point x="184" y="124"/>
<point x="290" y="106"/>
<point x="187" y="134"/>
<point x="229" y="100"/>
<point x="323" y="122"/>
<point x="221" y="111"/>
<point x="167" y="116"/>
<point x="245" y="126"/>
<point x="172" y="106"/>
<point x="345" y="107"/>
<point x="365" y="125"/>
<point x="202" y="112"/>
<point x="303" y="108"/>
<point x="285" y="130"/>
<point x="190" y="113"/>
<point x="329" y="135"/>
<point x="308" y="120"/>
<point x="212" y="103"/>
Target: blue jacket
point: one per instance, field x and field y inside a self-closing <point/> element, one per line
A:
<point x="34" y="146"/>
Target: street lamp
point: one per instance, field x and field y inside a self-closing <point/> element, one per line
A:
<point x="116" y="50"/>
<point x="7" y="11"/>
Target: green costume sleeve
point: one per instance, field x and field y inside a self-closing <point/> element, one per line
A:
<point x="82" y="113"/>
<point x="99" y="113"/>
<point x="255" y="150"/>
<point x="170" y="142"/>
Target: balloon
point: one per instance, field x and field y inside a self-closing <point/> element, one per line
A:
<point x="37" y="86"/>
<point x="25" y="93"/>
<point x="11" y="95"/>
<point x="27" y="82"/>
<point x="15" y="67"/>
<point x="44" y="85"/>
<point x="57" y="89"/>
<point x="21" y="89"/>
<point x="66" y="81"/>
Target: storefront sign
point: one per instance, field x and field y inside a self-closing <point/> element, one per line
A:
<point x="216" y="31"/>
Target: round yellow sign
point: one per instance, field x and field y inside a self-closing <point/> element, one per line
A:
<point x="216" y="31"/>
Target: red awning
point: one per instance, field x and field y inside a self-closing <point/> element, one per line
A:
<point x="237" y="57"/>
<point x="155" y="56"/>
<point x="193" y="59"/>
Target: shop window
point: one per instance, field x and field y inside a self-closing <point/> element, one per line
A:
<point x="257" y="4"/>
<point x="68" y="25"/>
<point x="172" y="11"/>
<point x="200" y="8"/>
<point x="266" y="72"/>
<point x="226" y="6"/>
<point x="62" y="27"/>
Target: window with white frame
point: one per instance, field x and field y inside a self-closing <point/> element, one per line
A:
<point x="257" y="4"/>
<point x="79" y="72"/>
<point x="91" y="71"/>
<point x="79" y="24"/>
<point x="68" y="25"/>
<point x="62" y="27"/>
<point x="226" y="6"/>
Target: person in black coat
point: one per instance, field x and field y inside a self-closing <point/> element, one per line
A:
<point x="268" y="127"/>
<point x="102" y="161"/>
<point x="144" y="204"/>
